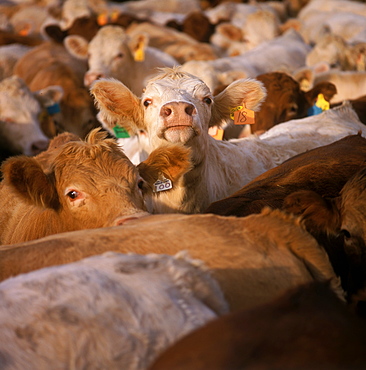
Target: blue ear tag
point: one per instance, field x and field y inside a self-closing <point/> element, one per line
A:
<point x="54" y="108"/>
<point x="120" y="132"/>
<point x="314" y="110"/>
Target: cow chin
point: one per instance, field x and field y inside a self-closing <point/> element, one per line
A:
<point x="179" y="134"/>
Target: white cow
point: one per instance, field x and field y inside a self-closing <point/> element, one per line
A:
<point x="111" y="311"/>
<point x="179" y="107"/>
<point x="112" y="53"/>
<point x="20" y="113"/>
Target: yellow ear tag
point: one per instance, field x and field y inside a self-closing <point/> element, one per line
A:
<point x="114" y="15"/>
<point x="322" y="103"/>
<point x="102" y="19"/>
<point x="139" y="55"/>
<point x="216" y="133"/>
<point x="242" y="115"/>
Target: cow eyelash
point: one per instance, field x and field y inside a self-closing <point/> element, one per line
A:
<point x="147" y="102"/>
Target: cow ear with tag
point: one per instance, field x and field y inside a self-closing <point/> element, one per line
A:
<point x="137" y="45"/>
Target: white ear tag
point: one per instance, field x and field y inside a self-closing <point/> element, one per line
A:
<point x="162" y="185"/>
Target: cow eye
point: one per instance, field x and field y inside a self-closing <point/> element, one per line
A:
<point x="147" y="102"/>
<point x="140" y="184"/>
<point x="207" y="100"/>
<point x="72" y="194"/>
<point x="119" y="56"/>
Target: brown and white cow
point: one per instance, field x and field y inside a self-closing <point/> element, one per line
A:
<point x="22" y="115"/>
<point x="179" y="107"/>
<point x="108" y="311"/>
<point x="306" y="328"/>
<point x="253" y="258"/>
<point x="112" y="53"/>
<point x="79" y="185"/>
<point x="50" y="64"/>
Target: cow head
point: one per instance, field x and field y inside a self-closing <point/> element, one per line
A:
<point x="20" y="117"/>
<point x="90" y="184"/>
<point x="117" y="58"/>
<point x="175" y="107"/>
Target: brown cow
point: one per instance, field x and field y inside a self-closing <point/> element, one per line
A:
<point x="284" y="101"/>
<point x="50" y="64"/>
<point x="253" y="258"/>
<point x="324" y="170"/>
<point x="81" y="185"/>
<point x="334" y="216"/>
<point x="306" y="328"/>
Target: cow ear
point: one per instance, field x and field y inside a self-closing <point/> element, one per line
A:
<point x="320" y="215"/>
<point x="118" y="105"/>
<point x="170" y="161"/>
<point x="50" y="95"/>
<point x="26" y="178"/>
<point x="137" y="44"/>
<point x="77" y="46"/>
<point x="55" y="33"/>
<point x="248" y="92"/>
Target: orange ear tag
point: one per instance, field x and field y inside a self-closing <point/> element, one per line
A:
<point x="102" y="19"/>
<point x="216" y="133"/>
<point x="242" y="115"/>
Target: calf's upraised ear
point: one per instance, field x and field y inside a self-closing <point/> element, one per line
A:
<point x="26" y="178"/>
<point x="117" y="104"/>
<point x="170" y="161"/>
<point x="246" y="92"/>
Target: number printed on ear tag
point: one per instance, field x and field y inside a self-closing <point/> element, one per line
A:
<point x="162" y="185"/>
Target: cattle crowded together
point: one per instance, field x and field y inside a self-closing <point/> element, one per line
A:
<point x="182" y="184"/>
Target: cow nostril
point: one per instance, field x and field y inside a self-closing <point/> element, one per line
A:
<point x="166" y="112"/>
<point x="189" y="109"/>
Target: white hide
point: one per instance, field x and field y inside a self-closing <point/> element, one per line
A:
<point x="111" y="311"/>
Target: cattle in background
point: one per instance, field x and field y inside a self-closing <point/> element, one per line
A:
<point x="306" y="328"/>
<point x="285" y="53"/>
<point x="112" y="53"/>
<point x="9" y="55"/>
<point x="179" y="107"/>
<point x="79" y="185"/>
<point x="177" y="44"/>
<point x="111" y="311"/>
<point x="284" y="101"/>
<point x="22" y="116"/>
<point x="50" y="64"/>
<point x="338" y="53"/>
<point x="10" y="37"/>
<point x="253" y="258"/>
<point x="324" y="170"/>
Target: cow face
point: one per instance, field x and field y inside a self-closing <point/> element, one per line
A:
<point x="20" y="131"/>
<point x="175" y="107"/>
<point x="89" y="184"/>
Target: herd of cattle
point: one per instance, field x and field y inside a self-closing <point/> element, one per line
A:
<point x="144" y="223"/>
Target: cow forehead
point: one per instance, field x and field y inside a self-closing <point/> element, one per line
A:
<point x="177" y="89"/>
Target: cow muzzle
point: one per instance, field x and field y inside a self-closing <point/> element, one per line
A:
<point x="177" y="120"/>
